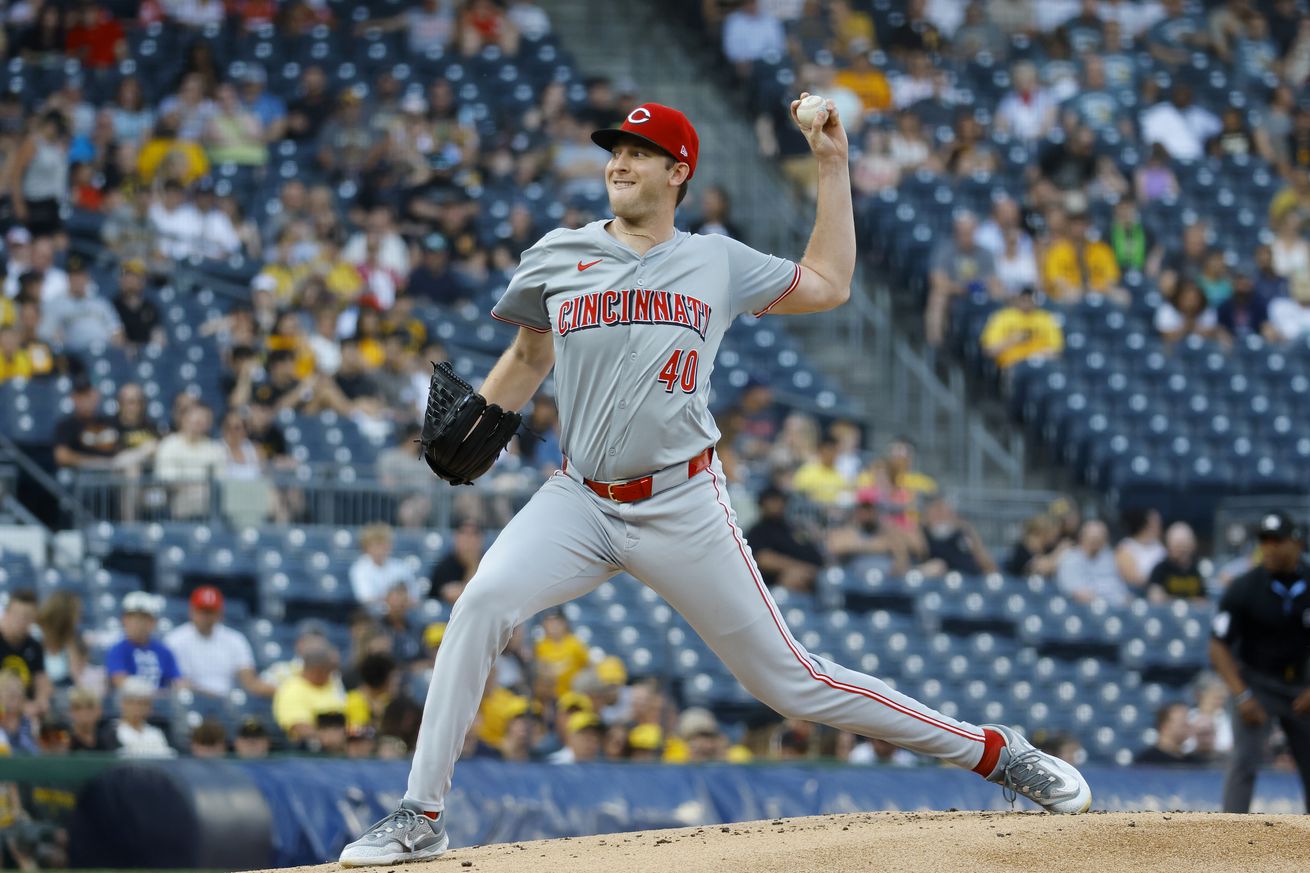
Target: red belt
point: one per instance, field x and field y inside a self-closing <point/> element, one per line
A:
<point x="640" y="489"/>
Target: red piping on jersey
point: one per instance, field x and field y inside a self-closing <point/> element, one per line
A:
<point x="795" y="280"/>
<point x="520" y="324"/>
<point x="805" y="662"/>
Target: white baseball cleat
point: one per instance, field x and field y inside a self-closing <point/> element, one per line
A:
<point x="1053" y="784"/>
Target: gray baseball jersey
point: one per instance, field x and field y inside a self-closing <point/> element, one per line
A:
<point x="635" y="338"/>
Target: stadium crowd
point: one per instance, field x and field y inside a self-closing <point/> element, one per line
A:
<point x="552" y="697"/>
<point x="1082" y="81"/>
<point x="384" y="217"/>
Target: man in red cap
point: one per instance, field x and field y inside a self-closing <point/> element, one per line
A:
<point x="211" y="655"/>
<point x="629" y="312"/>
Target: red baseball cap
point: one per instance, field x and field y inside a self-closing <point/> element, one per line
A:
<point x="661" y="126"/>
<point x="207" y="597"/>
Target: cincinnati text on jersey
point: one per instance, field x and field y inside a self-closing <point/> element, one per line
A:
<point x="632" y="306"/>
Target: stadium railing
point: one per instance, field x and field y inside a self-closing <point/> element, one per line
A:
<point x="326" y="494"/>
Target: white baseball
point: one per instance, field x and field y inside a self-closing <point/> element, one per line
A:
<point x="809" y="107"/>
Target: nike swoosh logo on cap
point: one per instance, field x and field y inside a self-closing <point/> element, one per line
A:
<point x="582" y="266"/>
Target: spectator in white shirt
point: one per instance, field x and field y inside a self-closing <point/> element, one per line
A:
<point x="1133" y="16"/>
<point x="191" y="456"/>
<point x="177" y="224"/>
<point x="243" y="461"/>
<point x="1087" y="572"/>
<point x="218" y="235"/>
<point x="1012" y="16"/>
<point x="908" y="145"/>
<point x="212" y="656"/>
<point x="1047" y="15"/>
<point x="946" y="15"/>
<point x="920" y="81"/>
<point x="18" y="243"/>
<point x="1005" y="217"/>
<point x="54" y="281"/>
<point x="189" y="107"/>
<point x="785" y="11"/>
<point x="1290" y="316"/>
<point x="324" y="342"/>
<point x="137" y="738"/>
<point x="194" y="13"/>
<point x="1028" y="111"/>
<point x="822" y="75"/>
<point x="1016" y="266"/>
<point x="1289" y="252"/>
<point x="1179" y="125"/>
<point x="81" y="319"/>
<point x="392" y="253"/>
<point x="531" y="20"/>
<point x="429" y="25"/>
<point x="1189" y="313"/>
<point x="749" y="33"/>
<point x="375" y="572"/>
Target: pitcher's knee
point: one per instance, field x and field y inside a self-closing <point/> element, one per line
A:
<point x="787" y="705"/>
<point x="485" y="601"/>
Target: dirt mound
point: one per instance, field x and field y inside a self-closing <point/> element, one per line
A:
<point x="916" y="842"/>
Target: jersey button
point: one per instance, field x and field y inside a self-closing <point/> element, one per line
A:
<point x="623" y="404"/>
<point x="633" y="356"/>
<point x="612" y="451"/>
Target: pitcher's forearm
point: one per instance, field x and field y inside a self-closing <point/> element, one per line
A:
<point x="831" y="250"/>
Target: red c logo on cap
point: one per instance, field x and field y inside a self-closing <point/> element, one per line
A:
<point x="640" y="115"/>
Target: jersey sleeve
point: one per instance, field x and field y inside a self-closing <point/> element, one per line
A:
<point x="245" y="655"/>
<point x="524" y="301"/>
<point x="758" y="281"/>
<point x="1225" y="626"/>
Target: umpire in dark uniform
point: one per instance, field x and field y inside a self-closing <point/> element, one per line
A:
<point x="1261" y="647"/>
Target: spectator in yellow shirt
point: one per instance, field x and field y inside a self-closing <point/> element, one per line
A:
<point x="289" y="335"/>
<point x="499" y="707"/>
<point x="1074" y="264"/>
<point x="14" y="360"/>
<point x="818" y="479"/>
<point x="866" y="81"/>
<point x="300" y="699"/>
<point x="896" y="485"/>
<point x="852" y="30"/>
<point x="560" y="654"/>
<point x="340" y="277"/>
<point x="37" y="351"/>
<point x="901" y="471"/>
<point x="172" y="158"/>
<point x="1021" y="332"/>
<point x="1295" y="198"/>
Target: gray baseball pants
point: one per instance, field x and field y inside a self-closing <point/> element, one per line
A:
<point x="685" y="544"/>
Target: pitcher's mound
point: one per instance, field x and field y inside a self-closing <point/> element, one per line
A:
<point x="915" y="842"/>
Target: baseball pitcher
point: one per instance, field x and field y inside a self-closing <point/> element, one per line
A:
<point x="630" y="313"/>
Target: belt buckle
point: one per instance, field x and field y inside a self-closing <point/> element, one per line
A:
<point x="609" y="489"/>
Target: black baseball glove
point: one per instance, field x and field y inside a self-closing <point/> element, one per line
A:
<point x="462" y="433"/>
